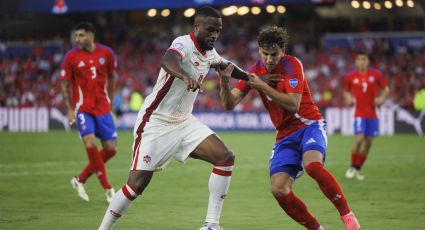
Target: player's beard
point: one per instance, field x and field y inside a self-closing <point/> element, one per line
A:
<point x="204" y="45"/>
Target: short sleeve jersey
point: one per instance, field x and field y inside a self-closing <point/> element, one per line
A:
<point x="170" y="101"/>
<point x="88" y="73"/>
<point x="293" y="81"/>
<point x="364" y="88"/>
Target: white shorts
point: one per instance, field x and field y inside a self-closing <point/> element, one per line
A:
<point x="159" y="142"/>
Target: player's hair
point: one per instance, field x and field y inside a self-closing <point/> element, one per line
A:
<point x="207" y="11"/>
<point x="273" y="35"/>
<point x="87" y="26"/>
<point x="362" y="53"/>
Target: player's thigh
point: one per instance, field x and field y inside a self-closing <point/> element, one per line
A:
<point x="359" y="126"/>
<point x="86" y="124"/>
<point x="372" y="128"/>
<point x="314" y="143"/>
<point x="202" y="143"/>
<point x="286" y="158"/>
<point x="155" y="146"/>
<point x="105" y="127"/>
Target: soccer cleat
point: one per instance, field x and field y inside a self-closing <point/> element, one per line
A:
<point x="359" y="176"/>
<point x="208" y="226"/>
<point x="350" y="221"/>
<point x="321" y="228"/>
<point x="81" y="191"/>
<point x="109" y="194"/>
<point x="350" y="173"/>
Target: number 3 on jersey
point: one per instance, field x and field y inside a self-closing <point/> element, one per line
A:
<point x="93" y="71"/>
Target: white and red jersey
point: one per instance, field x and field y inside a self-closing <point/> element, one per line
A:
<point x="293" y="81"/>
<point x="88" y="73"/>
<point x="364" y="88"/>
<point x="170" y="101"/>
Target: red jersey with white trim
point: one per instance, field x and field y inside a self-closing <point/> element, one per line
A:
<point x="293" y="81"/>
<point x="364" y="88"/>
<point x="88" y="73"/>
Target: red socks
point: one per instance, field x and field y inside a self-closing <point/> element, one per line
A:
<point x="95" y="159"/>
<point x="88" y="170"/>
<point x="297" y="210"/>
<point x="358" y="159"/>
<point x="329" y="186"/>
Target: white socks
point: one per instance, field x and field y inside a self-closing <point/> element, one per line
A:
<point x="118" y="206"/>
<point x="218" y="185"/>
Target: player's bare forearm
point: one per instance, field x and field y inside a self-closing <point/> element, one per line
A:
<point x="290" y="102"/>
<point x="348" y="99"/>
<point x="230" y="98"/>
<point x="111" y="87"/>
<point x="65" y="94"/>
<point x="237" y="72"/>
<point x="171" y="65"/>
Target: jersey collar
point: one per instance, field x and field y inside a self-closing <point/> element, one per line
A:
<point x="192" y="36"/>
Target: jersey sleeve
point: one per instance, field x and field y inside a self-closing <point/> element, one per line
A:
<point x="294" y="81"/>
<point x="347" y="83"/>
<point x="112" y="62"/>
<point x="181" y="45"/>
<point x="66" y="70"/>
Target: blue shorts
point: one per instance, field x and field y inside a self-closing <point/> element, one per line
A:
<point x="102" y="126"/>
<point x="287" y="153"/>
<point x="366" y="127"/>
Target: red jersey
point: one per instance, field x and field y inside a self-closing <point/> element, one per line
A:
<point x="293" y="81"/>
<point x="364" y="88"/>
<point x="88" y="73"/>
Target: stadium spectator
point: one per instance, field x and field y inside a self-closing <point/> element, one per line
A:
<point x="301" y="140"/>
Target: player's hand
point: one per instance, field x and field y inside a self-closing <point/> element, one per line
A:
<point x="271" y="79"/>
<point x="225" y="74"/>
<point x="71" y="117"/>
<point x="379" y="101"/>
<point x="192" y="85"/>
<point x="255" y="82"/>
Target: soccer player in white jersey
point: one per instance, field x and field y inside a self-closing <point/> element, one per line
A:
<point x="165" y="127"/>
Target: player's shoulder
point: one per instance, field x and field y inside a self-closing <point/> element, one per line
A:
<point x="104" y="48"/>
<point x="255" y="67"/>
<point x="70" y="54"/>
<point x="289" y="61"/>
<point x="184" y="39"/>
<point x="351" y="74"/>
<point x="375" y="72"/>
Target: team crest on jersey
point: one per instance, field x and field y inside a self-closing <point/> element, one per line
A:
<point x="63" y="73"/>
<point x="102" y="60"/>
<point x="293" y="82"/>
<point x="356" y="81"/>
<point x="371" y="78"/>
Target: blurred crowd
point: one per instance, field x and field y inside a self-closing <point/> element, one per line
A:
<point x="33" y="79"/>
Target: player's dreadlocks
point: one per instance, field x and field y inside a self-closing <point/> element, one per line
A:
<point x="273" y="35"/>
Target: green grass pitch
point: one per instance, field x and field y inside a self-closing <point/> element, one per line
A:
<point x="35" y="170"/>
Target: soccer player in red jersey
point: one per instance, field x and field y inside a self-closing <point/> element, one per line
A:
<point x="361" y="88"/>
<point x="91" y="70"/>
<point x="301" y="140"/>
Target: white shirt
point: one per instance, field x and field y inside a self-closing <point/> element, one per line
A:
<point x="170" y="101"/>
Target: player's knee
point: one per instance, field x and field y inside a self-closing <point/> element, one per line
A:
<point x="313" y="167"/>
<point x="279" y="191"/>
<point x="110" y="152"/>
<point x="227" y="156"/>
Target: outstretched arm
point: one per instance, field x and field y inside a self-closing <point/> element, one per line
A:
<point x="171" y="64"/>
<point x="236" y="73"/>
